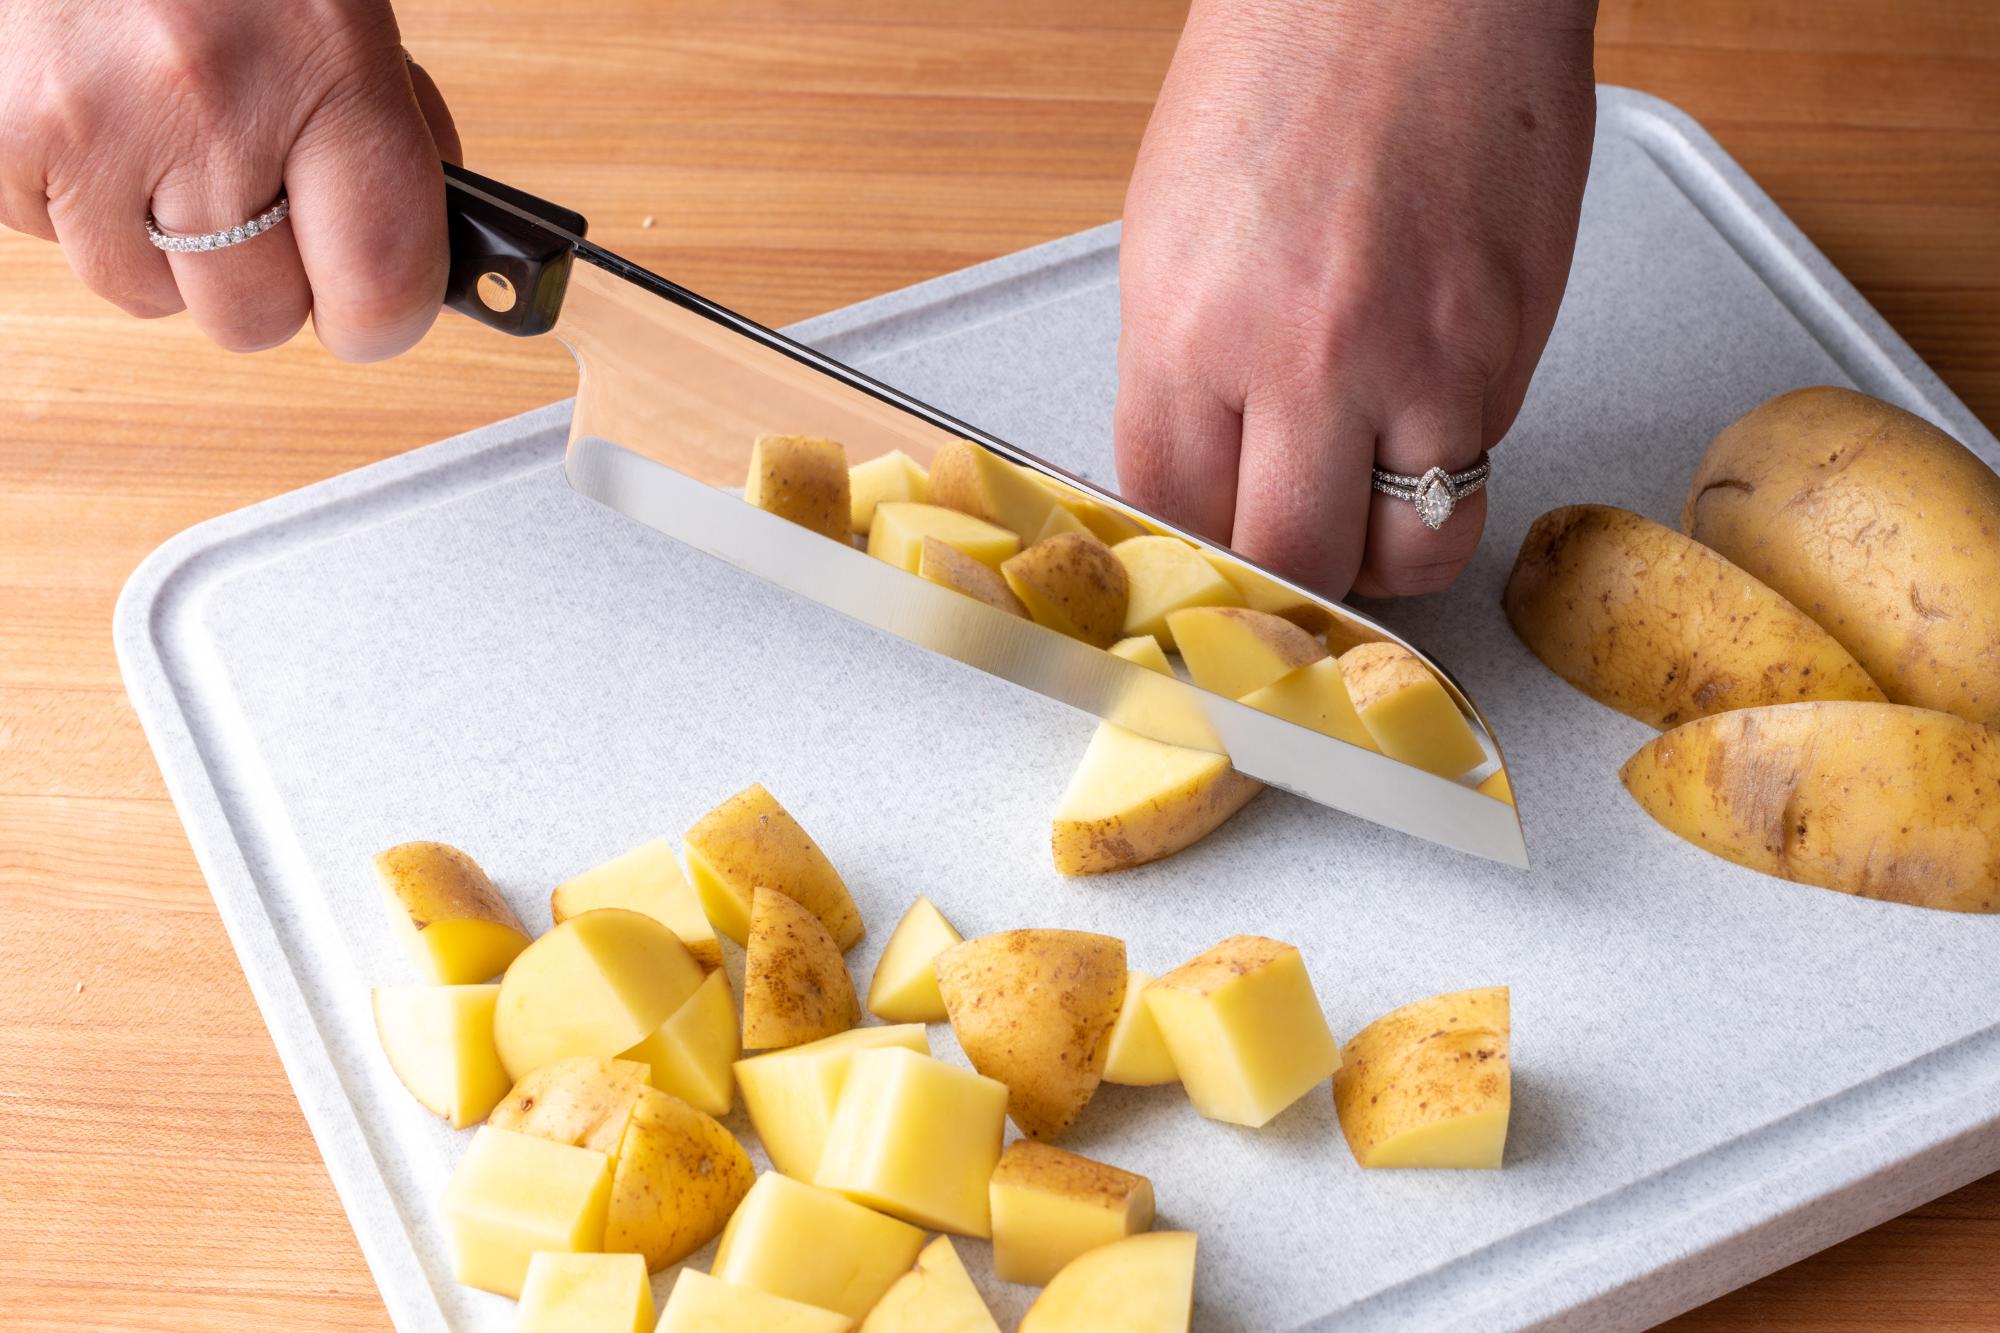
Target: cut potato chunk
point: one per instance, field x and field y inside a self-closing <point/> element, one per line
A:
<point x="439" y="1040"/>
<point x="704" y="1304"/>
<point x="1049" y="1206"/>
<point x="1136" y="1055"/>
<point x="949" y="567"/>
<point x="513" y="1195"/>
<point x="905" y="988"/>
<point x="678" y="1177"/>
<point x="979" y="482"/>
<point x="802" y="479"/>
<point x="916" y="1138"/>
<point x="937" y="1296"/>
<point x="1133" y="800"/>
<point x="1071" y="583"/>
<point x="646" y="879"/>
<point x="897" y="535"/>
<point x="1429" y="1084"/>
<point x="795" y="984"/>
<point x="585" y="1293"/>
<point x="1314" y="695"/>
<point x="1168" y="575"/>
<point x="1142" y="1284"/>
<point x="693" y="1054"/>
<point x="594" y="985"/>
<point x="1232" y="650"/>
<point x="1876" y="800"/>
<point x="893" y="476"/>
<point x="1059" y="521"/>
<point x="1498" y="785"/>
<point x="1408" y="712"/>
<point x="583" y="1101"/>
<point x="1143" y="650"/>
<point x="808" y="1244"/>
<point x="750" y="842"/>
<point x="455" y="925"/>
<point x="791" y="1095"/>
<point x="1245" y="1029"/>
<point x="1032" y="1008"/>
<point x="1261" y="593"/>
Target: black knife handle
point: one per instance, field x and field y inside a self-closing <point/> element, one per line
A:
<point x="510" y="253"/>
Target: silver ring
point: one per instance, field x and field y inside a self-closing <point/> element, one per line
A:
<point x="1437" y="492"/>
<point x="219" y="240"/>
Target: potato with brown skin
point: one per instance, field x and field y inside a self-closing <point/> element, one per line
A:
<point x="1876" y="524"/>
<point x="1661" y="628"/>
<point x="452" y="920"/>
<point x="750" y="841"/>
<point x="583" y="1101"/>
<point x="1877" y="800"/>
<point x="1235" y="651"/>
<point x="796" y="987"/>
<point x="949" y="567"/>
<point x="1031" y="1008"/>
<point x="678" y="1177"/>
<point x="803" y="479"/>
<point x="1072" y="583"/>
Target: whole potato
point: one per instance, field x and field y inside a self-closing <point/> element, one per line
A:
<point x="1876" y="524"/>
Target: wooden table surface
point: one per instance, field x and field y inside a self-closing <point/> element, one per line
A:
<point x="792" y="156"/>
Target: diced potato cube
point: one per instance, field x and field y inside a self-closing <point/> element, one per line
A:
<point x="439" y="1040"/>
<point x="585" y="1293"/>
<point x="1315" y="696"/>
<point x="1142" y="1284"/>
<point x="917" y="1139"/>
<point x="937" y="1296"/>
<point x="905" y="988"/>
<point x="693" y="1054"/>
<point x="1429" y="1084"/>
<point x="898" y="532"/>
<point x="949" y="567"/>
<point x="1049" y="1206"/>
<point x="1233" y="651"/>
<point x="751" y="842"/>
<point x="704" y="1304"/>
<point x="1245" y="1029"/>
<point x="802" y="479"/>
<point x="514" y="1194"/>
<point x="1137" y="1055"/>
<point x="646" y="879"/>
<point x="455" y="925"/>
<point x="974" y="480"/>
<point x="594" y="985"/>
<point x="893" y="476"/>
<point x="1167" y="575"/>
<point x="809" y="1244"/>
<point x="1408" y="712"/>
<point x="791" y="1094"/>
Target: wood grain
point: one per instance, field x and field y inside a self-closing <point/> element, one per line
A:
<point x="792" y="156"/>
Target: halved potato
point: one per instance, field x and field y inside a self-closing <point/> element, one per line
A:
<point x="893" y="476"/>
<point x="1429" y="1084"/>
<point x="1233" y="650"/>
<point x="900" y="527"/>
<point x="1142" y="1284"/>
<point x="947" y="566"/>
<point x="1408" y="712"/>
<point x="646" y="879"/>
<point x="749" y="842"/>
<point x="1168" y="575"/>
<point x="1071" y="583"/>
<point x="679" y="1176"/>
<point x="905" y="988"/>
<point x="455" y="925"/>
<point x="1133" y="800"/>
<point x="594" y="985"/>
<point x="439" y="1040"/>
<point x="795" y="984"/>
<point x="583" y="1101"/>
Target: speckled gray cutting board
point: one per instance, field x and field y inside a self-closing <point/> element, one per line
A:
<point x="1716" y="1072"/>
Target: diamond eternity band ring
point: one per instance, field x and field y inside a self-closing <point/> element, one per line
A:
<point x="1437" y="492"/>
<point x="220" y="240"/>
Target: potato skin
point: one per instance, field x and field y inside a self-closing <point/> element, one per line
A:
<point x="1877" y="800"/>
<point x="796" y="987"/>
<point x="1876" y="524"/>
<point x="1071" y="582"/>
<point x="1661" y="628"/>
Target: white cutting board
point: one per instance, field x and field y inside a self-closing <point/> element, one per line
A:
<point x="1715" y="1072"/>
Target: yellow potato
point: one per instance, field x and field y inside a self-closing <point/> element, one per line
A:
<point x="1877" y="800"/>
<point x="791" y="1095"/>
<point x="1143" y="650"/>
<point x="704" y="1304"/>
<point x="1314" y="695"/>
<point x="594" y="985"/>
<point x="750" y="842"/>
<point x="1429" y="1084"/>
<point x="1259" y="592"/>
<point x="454" y="923"/>
<point x="1661" y="628"/>
<point x="1168" y="575"/>
<point x="949" y="567"/>
<point x="1876" y="524"/>
<point x="802" y="479"/>
<point x="583" y="1101"/>
<point x="937" y="1296"/>
<point x="1135" y="1054"/>
<point x="976" y="481"/>
<point x="1071" y="583"/>
<point x="1142" y="1284"/>
<point x="905" y="988"/>
<point x="679" y="1176"/>
<point x="646" y="879"/>
<point x="900" y="528"/>
<point x="1049" y="1206"/>
<point x="1408" y="712"/>
<point x="513" y="1195"/>
<point x="693" y="1053"/>
<point x="795" y="984"/>
<point x="1061" y="520"/>
<point x="1032" y="1008"/>
<point x="585" y="1293"/>
<point x="1232" y="650"/>
<point x="1133" y="800"/>
<point x="439" y="1040"/>
<point x="1498" y="786"/>
<point x="811" y="1245"/>
<point x="893" y="476"/>
<point x="917" y="1139"/>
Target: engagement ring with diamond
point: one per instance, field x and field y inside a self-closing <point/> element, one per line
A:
<point x="1437" y="492"/>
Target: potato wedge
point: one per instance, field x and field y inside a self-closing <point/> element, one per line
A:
<point x="1876" y="524"/>
<point x="1408" y="712"/>
<point x="949" y="567"/>
<point x="1133" y="800"/>
<point x="583" y="1101"/>
<point x="1031" y="1008"/>
<point x="893" y="476"/>
<point x="693" y="1054"/>
<point x="1142" y="1284"/>
<point x="703" y="1304"/>
<point x="1315" y="696"/>
<point x="1233" y="651"/>
<point x="791" y="1095"/>
<point x="439" y="1040"/>
<point x="1497" y="785"/>
<point x="1877" y="800"/>
<point x="905" y="988"/>
<point x="802" y="479"/>
<point x="1262" y="593"/>
<point x="594" y="985"/>
<point x="795" y="984"/>
<point x="750" y="842"/>
<point x="678" y="1177"/>
<point x="454" y="924"/>
<point x="1051" y="1205"/>
<point x="1071" y="583"/>
<point x="1429" y="1084"/>
<point x="900" y="527"/>
<point x="937" y="1296"/>
<point x="1109" y="525"/>
<point x="1168" y="575"/>
<point x="1135" y="1054"/>
<point x="1661" y="628"/>
<point x="646" y="879"/>
<point x="979" y="482"/>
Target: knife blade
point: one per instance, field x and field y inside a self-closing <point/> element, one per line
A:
<point x="672" y="391"/>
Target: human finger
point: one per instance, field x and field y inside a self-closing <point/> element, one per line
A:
<point x="101" y="225"/>
<point x="1302" y="487"/>
<point x="1404" y="556"/>
<point x="249" y="296"/>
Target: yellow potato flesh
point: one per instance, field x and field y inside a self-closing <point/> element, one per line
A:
<point x="905" y="987"/>
<point x="693" y="1054"/>
<point x="1073" y="584"/>
<point x="917" y="1139"/>
<point x="791" y="1095"/>
<point x="801" y="479"/>
<point x="751" y="842"/>
<point x="900" y="527"/>
<point x="1142" y="1284"/>
<point x="1315" y="696"/>
<point x="1136" y="1055"/>
<point x="893" y="476"/>
<point x="678" y="1176"/>
<point x="1497" y="785"/>
<point x="583" y="1101"/>
<point x="796" y="987"/>
<point x="594" y="985"/>
<point x="1133" y="800"/>
<point x="704" y="1304"/>
<point x="585" y="1293"/>
<point x="646" y="879"/>
<point x="1261" y="593"/>
<point x="937" y="1296"/>
<point x="949" y="567"/>
<point x="1143" y="650"/>
<point x="1408" y="712"/>
<point x="453" y="923"/>
<point x="1245" y="1029"/>
<point x="1049" y="1206"/>
<point x="1233" y="651"/>
<point x="513" y="1195"/>
<point x="978" y="482"/>
<point x="1428" y="1085"/>
<point x="1168" y="575"/>
<point x="811" y="1245"/>
<point x="1059" y="521"/>
<point x="439" y="1040"/>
